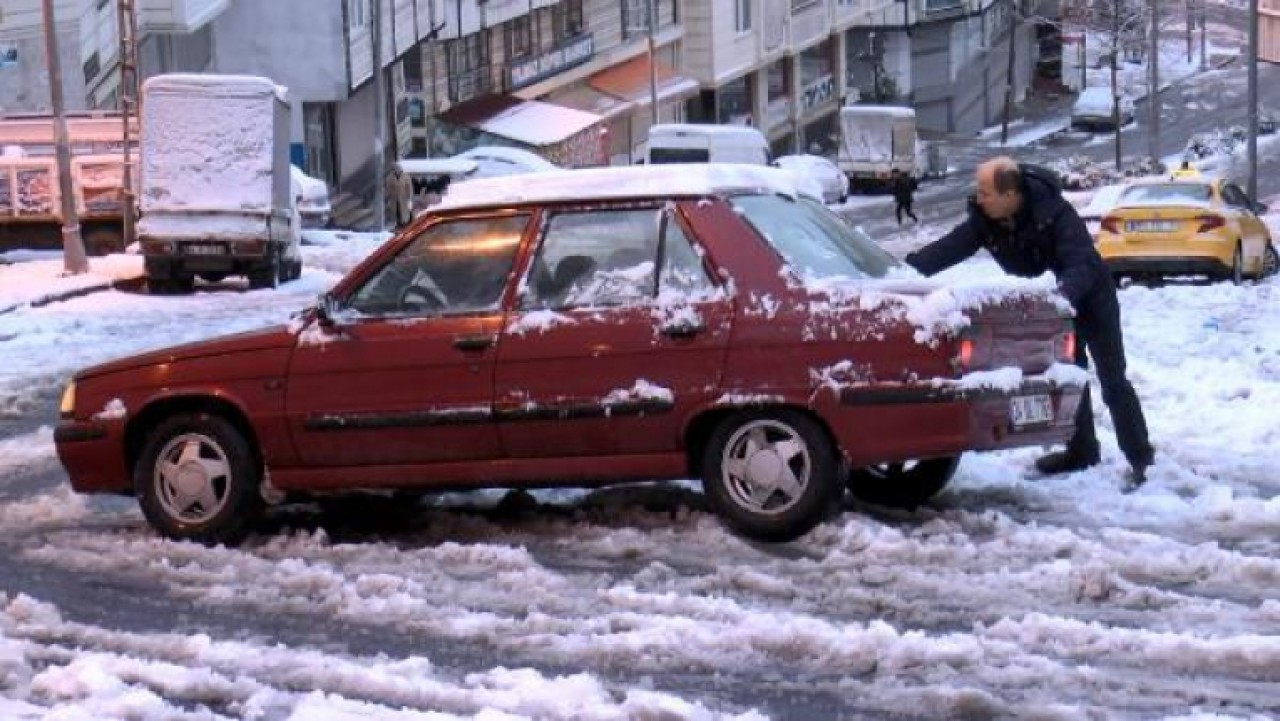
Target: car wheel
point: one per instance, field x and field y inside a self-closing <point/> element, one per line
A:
<point x="771" y="476"/>
<point x="268" y="274"/>
<point x="1270" y="261"/>
<point x="902" y="485"/>
<point x="1237" y="266"/>
<point x="197" y="479"/>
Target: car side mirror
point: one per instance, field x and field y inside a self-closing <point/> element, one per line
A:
<point x="325" y="309"/>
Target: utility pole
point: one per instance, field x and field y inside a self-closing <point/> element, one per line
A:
<point x="379" y="120"/>
<point x="1191" y="24"/>
<point x="651" y="8"/>
<point x="1253" y="99"/>
<point x="1008" y="86"/>
<point x="1115" y="88"/>
<point x="74" y="260"/>
<point x="1153" y="91"/>
<point x="131" y="117"/>
<point x="1204" y="56"/>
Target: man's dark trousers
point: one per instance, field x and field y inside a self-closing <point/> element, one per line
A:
<point x="1098" y="330"/>
<point x="904" y="207"/>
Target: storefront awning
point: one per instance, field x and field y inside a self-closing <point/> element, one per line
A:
<point x="585" y="97"/>
<point x="530" y="122"/>
<point x="630" y="81"/>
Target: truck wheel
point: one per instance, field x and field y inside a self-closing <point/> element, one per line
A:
<point x="213" y="277"/>
<point x="266" y="275"/>
<point x="197" y="479"/>
<point x="103" y="241"/>
<point x="176" y="285"/>
<point x="771" y="476"/>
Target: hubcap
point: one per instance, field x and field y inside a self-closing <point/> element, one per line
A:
<point x="766" y="467"/>
<point x="1270" y="261"/>
<point x="192" y="477"/>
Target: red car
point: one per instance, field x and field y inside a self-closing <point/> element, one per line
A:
<point x="583" y="328"/>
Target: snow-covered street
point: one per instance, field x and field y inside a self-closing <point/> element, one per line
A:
<point x="1003" y="598"/>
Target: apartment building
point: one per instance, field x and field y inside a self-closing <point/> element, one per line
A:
<point x="786" y="66"/>
<point x="24" y="70"/>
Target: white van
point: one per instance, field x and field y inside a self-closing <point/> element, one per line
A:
<point x="689" y="143"/>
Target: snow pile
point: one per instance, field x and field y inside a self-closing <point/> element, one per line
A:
<point x="642" y="390"/>
<point x="1080" y="172"/>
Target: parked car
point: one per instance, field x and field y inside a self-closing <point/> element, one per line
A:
<point x="496" y="161"/>
<point x="1188" y="226"/>
<point x="834" y="184"/>
<point x="1093" y="110"/>
<point x="596" y="327"/>
<point x="313" y="195"/>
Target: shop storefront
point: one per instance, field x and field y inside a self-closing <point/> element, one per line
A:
<point x="818" y="99"/>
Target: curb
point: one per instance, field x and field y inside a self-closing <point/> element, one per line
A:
<point x="50" y="299"/>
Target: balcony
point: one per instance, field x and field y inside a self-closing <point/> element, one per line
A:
<point x="178" y="17"/>
<point x="470" y="84"/>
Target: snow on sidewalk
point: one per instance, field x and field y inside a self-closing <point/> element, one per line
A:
<point x="43" y="280"/>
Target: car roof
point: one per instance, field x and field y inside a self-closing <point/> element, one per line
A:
<point x="618" y="183"/>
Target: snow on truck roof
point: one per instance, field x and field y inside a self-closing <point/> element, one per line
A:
<point x="878" y="110"/>
<point x="214" y="85"/>
<point x="692" y="180"/>
<point x="730" y="131"/>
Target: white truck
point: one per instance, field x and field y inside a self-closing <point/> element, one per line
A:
<point x="875" y="140"/>
<point x="694" y="143"/>
<point x="215" y="197"/>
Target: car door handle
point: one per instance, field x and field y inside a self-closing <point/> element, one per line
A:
<point x="682" y="330"/>
<point x="475" y="342"/>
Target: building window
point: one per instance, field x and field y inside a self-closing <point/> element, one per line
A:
<point x="566" y="20"/>
<point x="518" y="34"/>
<point x="635" y="20"/>
<point x="799" y="6"/>
<point x="359" y="14"/>
<point x="742" y="15"/>
<point x="91" y="68"/>
<point x="468" y="61"/>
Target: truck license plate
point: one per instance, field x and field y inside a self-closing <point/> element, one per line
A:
<point x="206" y="249"/>
<point x="1030" y="410"/>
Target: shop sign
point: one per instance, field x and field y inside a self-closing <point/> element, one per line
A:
<point x="574" y="52"/>
<point x="818" y="92"/>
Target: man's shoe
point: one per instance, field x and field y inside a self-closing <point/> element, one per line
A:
<point x="1134" y="478"/>
<point x="1058" y="462"/>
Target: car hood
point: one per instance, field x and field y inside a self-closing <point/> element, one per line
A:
<point x="258" y="340"/>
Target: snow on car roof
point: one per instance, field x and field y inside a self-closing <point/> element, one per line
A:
<point x="690" y="180"/>
<point x="878" y="110"/>
<point x="735" y="131"/>
<point x="437" y="166"/>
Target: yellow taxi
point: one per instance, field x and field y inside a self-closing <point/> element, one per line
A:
<point x="1187" y="224"/>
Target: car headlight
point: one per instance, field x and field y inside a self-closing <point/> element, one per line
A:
<point x="68" y="405"/>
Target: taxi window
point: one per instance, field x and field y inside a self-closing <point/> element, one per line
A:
<point x="1167" y="194"/>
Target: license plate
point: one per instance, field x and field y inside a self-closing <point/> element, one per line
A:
<point x="1030" y="410"/>
<point x="205" y="249"/>
<point x="1152" y="226"/>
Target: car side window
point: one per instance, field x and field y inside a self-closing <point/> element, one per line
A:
<point x="451" y="268"/>
<point x="683" y="272"/>
<point x="594" y="258"/>
<point x="1235" y="197"/>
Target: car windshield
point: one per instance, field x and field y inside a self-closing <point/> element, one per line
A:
<point x="1167" y="194"/>
<point x="813" y="240"/>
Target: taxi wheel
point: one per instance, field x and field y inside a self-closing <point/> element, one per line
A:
<point x="772" y="475"/>
<point x="197" y="479"/>
<point x="1270" y="262"/>
<point x="902" y="485"/>
<point x="1237" y="266"/>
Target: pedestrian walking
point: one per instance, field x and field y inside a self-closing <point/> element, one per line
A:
<point x="904" y="191"/>
<point x="1019" y="215"/>
<point x="399" y="196"/>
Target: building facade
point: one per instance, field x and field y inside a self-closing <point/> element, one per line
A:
<point x="24" y="70"/>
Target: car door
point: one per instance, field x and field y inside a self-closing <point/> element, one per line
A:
<point x="618" y="334"/>
<point x="405" y="376"/>
<point x="1252" y="228"/>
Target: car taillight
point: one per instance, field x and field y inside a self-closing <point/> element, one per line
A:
<point x="963" y="359"/>
<point x="1111" y="224"/>
<point x="1067" y="347"/>
<point x="1209" y="222"/>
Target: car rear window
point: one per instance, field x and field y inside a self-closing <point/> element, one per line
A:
<point x="811" y="239"/>
<point x="1167" y="194"/>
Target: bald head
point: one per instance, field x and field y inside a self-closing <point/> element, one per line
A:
<point x="999" y="192"/>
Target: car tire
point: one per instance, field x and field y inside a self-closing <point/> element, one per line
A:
<point x="197" y="479"/>
<point x="902" y="485"/>
<point x="1270" y="262"/>
<point x="1237" y="266"/>
<point x="750" y="456"/>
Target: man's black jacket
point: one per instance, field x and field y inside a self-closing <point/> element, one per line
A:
<point x="1047" y="235"/>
